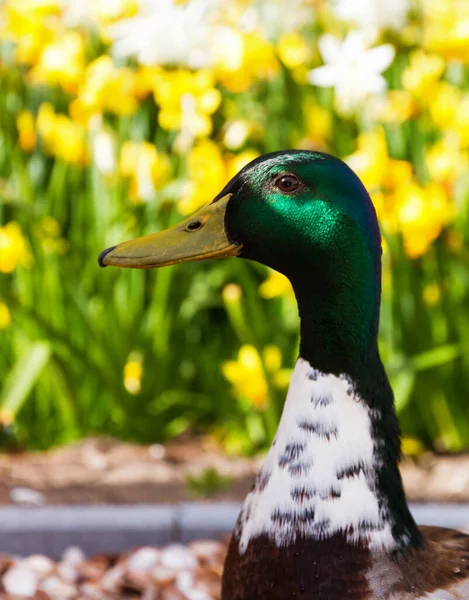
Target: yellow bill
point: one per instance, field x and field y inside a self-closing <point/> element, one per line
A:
<point x="198" y="237"/>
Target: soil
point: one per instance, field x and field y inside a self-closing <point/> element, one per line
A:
<point x="102" y="471"/>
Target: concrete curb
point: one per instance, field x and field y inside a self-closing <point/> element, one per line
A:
<point x="114" y="529"/>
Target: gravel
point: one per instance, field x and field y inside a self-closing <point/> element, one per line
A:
<point x="172" y="572"/>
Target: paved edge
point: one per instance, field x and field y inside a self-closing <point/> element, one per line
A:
<point x="115" y="529"/>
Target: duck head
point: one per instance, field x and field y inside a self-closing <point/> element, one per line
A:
<point x="304" y="214"/>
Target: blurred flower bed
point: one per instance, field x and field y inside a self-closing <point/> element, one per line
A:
<point x="117" y="117"/>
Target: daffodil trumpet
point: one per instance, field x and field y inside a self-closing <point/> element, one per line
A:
<point x="200" y="236"/>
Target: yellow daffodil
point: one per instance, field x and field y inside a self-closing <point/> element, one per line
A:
<point x="26" y="130"/>
<point x="396" y="107"/>
<point x="373" y="164"/>
<point x="146" y="168"/>
<point x="318" y="126"/>
<point x="412" y="446"/>
<point x="445" y="104"/>
<point x="146" y="77"/>
<point x="370" y="161"/>
<point x="399" y="172"/>
<point x="5" y="316"/>
<point x="187" y="100"/>
<point x="293" y="50"/>
<point x="247" y="375"/>
<point x="14" y="250"/>
<point x="446" y="28"/>
<point x="208" y="171"/>
<point x="272" y="359"/>
<point x="431" y="294"/>
<point x="275" y="285"/>
<point x="133" y="372"/>
<point x="105" y="88"/>
<point x="48" y="234"/>
<point x="61" y="136"/>
<point x="236" y="162"/>
<point x="461" y="121"/>
<point x="243" y="57"/>
<point x="422" y="211"/>
<point x="381" y="175"/>
<point x="445" y="160"/>
<point x="421" y="76"/>
<point x="449" y="109"/>
<point x="61" y="62"/>
<point x="30" y="26"/>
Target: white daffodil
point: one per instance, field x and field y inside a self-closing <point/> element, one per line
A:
<point x="89" y="13"/>
<point x="351" y="69"/>
<point x="166" y="32"/>
<point x="104" y="152"/>
<point x="271" y="17"/>
<point x="373" y="14"/>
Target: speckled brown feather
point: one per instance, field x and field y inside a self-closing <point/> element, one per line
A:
<point x="333" y="569"/>
<point x="330" y="570"/>
<point x="440" y="570"/>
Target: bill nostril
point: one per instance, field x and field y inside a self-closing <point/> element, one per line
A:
<point x="194" y="226"/>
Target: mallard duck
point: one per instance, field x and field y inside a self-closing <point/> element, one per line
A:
<point x="327" y="517"/>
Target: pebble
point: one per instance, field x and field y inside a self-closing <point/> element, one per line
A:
<point x="174" y="572"/>
<point x="20" y="581"/>
<point x="26" y="496"/>
<point x="177" y="556"/>
<point x="143" y="560"/>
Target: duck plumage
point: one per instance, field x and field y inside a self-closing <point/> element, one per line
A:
<point x="333" y="569"/>
<point x="327" y="517"/>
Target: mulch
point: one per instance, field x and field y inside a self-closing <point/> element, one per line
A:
<point x="106" y="471"/>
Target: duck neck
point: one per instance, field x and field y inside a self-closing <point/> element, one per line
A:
<point x="332" y="470"/>
<point x="339" y="315"/>
<point x="339" y="344"/>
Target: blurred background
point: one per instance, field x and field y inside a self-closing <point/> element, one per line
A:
<point x="118" y="117"/>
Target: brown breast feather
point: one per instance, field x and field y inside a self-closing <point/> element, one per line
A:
<point x="335" y="570"/>
<point x="438" y="571"/>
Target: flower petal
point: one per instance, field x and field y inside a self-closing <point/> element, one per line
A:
<point x="323" y="76"/>
<point x="378" y="59"/>
<point x="354" y="47"/>
<point x="375" y="84"/>
<point x="329" y="47"/>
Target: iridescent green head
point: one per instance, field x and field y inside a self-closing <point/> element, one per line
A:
<point x="307" y="215"/>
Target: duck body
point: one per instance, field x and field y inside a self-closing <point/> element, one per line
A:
<point x="334" y="569"/>
<point x="327" y="517"/>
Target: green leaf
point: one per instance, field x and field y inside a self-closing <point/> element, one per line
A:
<point x="435" y="357"/>
<point x="22" y="378"/>
<point x="208" y="483"/>
<point x="403" y="385"/>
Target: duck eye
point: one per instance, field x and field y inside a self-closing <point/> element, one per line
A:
<point x="287" y="183"/>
